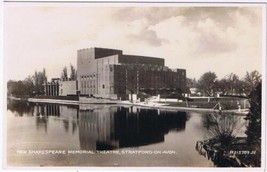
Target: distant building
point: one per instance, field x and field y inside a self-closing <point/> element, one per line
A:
<point x="68" y="88"/>
<point x="57" y="87"/>
<point x="109" y="73"/>
<point x="52" y="88"/>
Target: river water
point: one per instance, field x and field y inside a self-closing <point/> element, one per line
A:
<point x="109" y="135"/>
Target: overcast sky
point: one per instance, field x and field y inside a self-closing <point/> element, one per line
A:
<point x="198" y="39"/>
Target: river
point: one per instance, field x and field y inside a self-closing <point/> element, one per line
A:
<point x="107" y="135"/>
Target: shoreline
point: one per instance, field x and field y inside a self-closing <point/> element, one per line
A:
<point x="151" y="105"/>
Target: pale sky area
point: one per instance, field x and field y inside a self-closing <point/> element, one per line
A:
<point x="198" y="39"/>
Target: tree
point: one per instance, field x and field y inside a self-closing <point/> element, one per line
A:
<point x="254" y="125"/>
<point x="39" y="79"/>
<point x="73" y="73"/>
<point x="31" y="85"/>
<point x="44" y="76"/>
<point x="222" y="86"/>
<point x="233" y="80"/>
<point x="28" y="85"/>
<point x="233" y="84"/>
<point x="254" y="116"/>
<point x="207" y="82"/>
<point x="251" y="80"/>
<point x="13" y="88"/>
<point x="21" y="88"/>
<point x="64" y="74"/>
<point x="191" y="82"/>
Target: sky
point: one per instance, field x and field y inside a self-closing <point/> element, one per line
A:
<point x="221" y="39"/>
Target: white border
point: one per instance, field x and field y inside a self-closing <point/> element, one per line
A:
<point x="264" y="82"/>
<point x="187" y="3"/>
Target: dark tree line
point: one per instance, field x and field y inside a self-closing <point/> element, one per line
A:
<point x="254" y="116"/>
<point x="30" y="86"/>
<point x="209" y="84"/>
<point x="254" y="125"/>
<point x="33" y="84"/>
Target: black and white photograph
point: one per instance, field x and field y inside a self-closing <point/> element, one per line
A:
<point x="134" y="84"/>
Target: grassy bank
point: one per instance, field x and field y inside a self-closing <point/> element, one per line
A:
<point x="226" y="103"/>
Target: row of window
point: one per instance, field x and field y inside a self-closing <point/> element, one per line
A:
<point x="88" y="77"/>
<point x="88" y="84"/>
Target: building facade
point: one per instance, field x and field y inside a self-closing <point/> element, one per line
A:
<point x="67" y="88"/>
<point x="52" y="88"/>
<point x="109" y="73"/>
<point x="57" y="87"/>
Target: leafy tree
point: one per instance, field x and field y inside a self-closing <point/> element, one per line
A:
<point x="39" y="79"/>
<point x="254" y="125"/>
<point x="10" y="87"/>
<point x="44" y="76"/>
<point x="31" y="85"/>
<point x="251" y="80"/>
<point x="254" y="116"/>
<point x="241" y="87"/>
<point x="21" y="88"/>
<point x="233" y="80"/>
<point x="64" y="74"/>
<point x="221" y="86"/>
<point x="231" y="84"/>
<point x="207" y="83"/>
<point x="191" y="82"/>
<point x="73" y="73"/>
<point x="28" y="85"/>
<point x="14" y="88"/>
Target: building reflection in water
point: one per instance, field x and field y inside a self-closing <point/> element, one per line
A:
<point x="117" y="127"/>
<point x="67" y="114"/>
<point x="104" y="127"/>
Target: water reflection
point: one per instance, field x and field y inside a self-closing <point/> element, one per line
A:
<point x="19" y="108"/>
<point x="102" y="127"/>
<point x="117" y="127"/>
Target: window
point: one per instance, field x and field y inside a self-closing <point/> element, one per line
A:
<point x="103" y="86"/>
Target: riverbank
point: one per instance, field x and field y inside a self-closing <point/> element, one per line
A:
<point x="154" y="105"/>
<point x="183" y="106"/>
<point x="57" y="101"/>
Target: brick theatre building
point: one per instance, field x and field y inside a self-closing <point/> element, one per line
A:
<point x="109" y="73"/>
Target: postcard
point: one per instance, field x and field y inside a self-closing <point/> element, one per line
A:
<point x="134" y="84"/>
